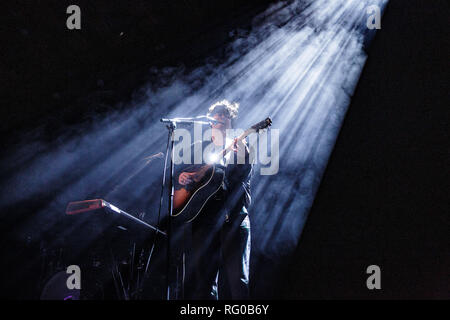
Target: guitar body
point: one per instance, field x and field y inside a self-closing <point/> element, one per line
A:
<point x="188" y="201"/>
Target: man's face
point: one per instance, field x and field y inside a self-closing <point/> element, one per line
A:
<point x="222" y="116"/>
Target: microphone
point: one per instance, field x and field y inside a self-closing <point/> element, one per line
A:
<point x="191" y="120"/>
<point x="211" y="119"/>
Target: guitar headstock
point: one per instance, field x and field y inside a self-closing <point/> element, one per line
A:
<point x="262" y="124"/>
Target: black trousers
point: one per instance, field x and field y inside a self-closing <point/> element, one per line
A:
<point x="217" y="266"/>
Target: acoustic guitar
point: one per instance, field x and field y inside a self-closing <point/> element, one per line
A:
<point x="206" y="180"/>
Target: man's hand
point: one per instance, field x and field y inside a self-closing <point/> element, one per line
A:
<point x="239" y="145"/>
<point x="185" y="178"/>
<point x="241" y="150"/>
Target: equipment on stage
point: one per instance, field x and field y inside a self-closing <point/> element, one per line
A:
<point x="205" y="182"/>
<point x="120" y="249"/>
<point x="96" y="204"/>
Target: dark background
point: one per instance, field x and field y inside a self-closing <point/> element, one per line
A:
<point x="383" y="198"/>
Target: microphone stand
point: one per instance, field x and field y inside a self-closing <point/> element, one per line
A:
<point x="171" y="125"/>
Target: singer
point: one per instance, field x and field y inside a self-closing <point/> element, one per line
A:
<point x="217" y="264"/>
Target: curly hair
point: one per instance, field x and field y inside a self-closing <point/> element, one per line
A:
<point x="231" y="108"/>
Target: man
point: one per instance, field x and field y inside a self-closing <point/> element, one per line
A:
<point x="218" y="262"/>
